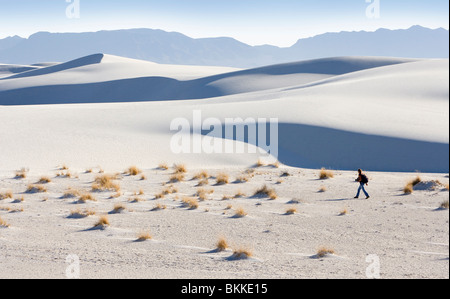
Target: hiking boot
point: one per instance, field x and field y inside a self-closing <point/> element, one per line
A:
<point x="367" y="197"/>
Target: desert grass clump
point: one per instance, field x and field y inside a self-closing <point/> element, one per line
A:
<point x="102" y="223"/>
<point x="133" y="171"/>
<point x="242" y="253"/>
<point x="44" y="180"/>
<point x="81" y="213"/>
<point x="324" y="251"/>
<point x="239" y="194"/>
<point x="6" y="195"/>
<point x="203" y="194"/>
<point x="21" y="174"/>
<point x="83" y="198"/>
<point x="322" y="189"/>
<point x="242" y="179"/>
<point x="36" y="189"/>
<point x="260" y="163"/>
<point x="179" y="168"/>
<point x="291" y="211"/>
<point x="191" y="203"/>
<point x="222" y="244"/>
<point x="222" y="179"/>
<point x="445" y="205"/>
<point x="409" y="187"/>
<point x="240" y="213"/>
<point x="201" y="175"/>
<point x="105" y="183"/>
<point x="177" y="178"/>
<point x="265" y="191"/>
<point x="343" y="212"/>
<point x="326" y="174"/>
<point x="144" y="236"/>
<point x="71" y="193"/>
<point x="3" y="223"/>
<point x="118" y="208"/>
<point x="163" y="166"/>
<point x="159" y="207"/>
<point x="19" y="200"/>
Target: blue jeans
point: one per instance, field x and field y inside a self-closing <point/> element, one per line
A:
<point x="361" y="187"/>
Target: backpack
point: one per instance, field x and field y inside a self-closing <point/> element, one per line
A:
<point x="364" y="179"/>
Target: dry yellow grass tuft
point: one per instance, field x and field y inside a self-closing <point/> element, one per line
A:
<point x="239" y="194"/>
<point x="266" y="192"/>
<point x="179" y="168"/>
<point x="36" y="189"/>
<point x="44" y="180"/>
<point x="291" y="211"/>
<point x="105" y="183"/>
<point x="324" y="251"/>
<point x="222" y="179"/>
<point x="242" y="253"/>
<point x="202" y="194"/>
<point x="409" y="188"/>
<point x="445" y="205"/>
<point x="133" y="171"/>
<point x="222" y="244"/>
<point x="260" y="163"/>
<point x="326" y="174"/>
<point x="201" y="175"/>
<point x="144" y="236"/>
<point x="6" y="195"/>
<point x="71" y="193"/>
<point x="3" y="223"/>
<point x="159" y="207"/>
<point x="343" y="212"/>
<point x="21" y="174"/>
<point x="102" y="222"/>
<point x="163" y="166"/>
<point x="81" y="213"/>
<point x="240" y="213"/>
<point x="323" y="189"/>
<point x="177" y="177"/>
<point x="191" y="203"/>
<point x="86" y="197"/>
<point x="119" y="208"/>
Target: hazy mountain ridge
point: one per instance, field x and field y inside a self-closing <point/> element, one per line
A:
<point x="175" y="48"/>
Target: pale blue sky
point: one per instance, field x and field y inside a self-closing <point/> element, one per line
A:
<point x="277" y="22"/>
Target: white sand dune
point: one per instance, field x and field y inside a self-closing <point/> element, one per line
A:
<point x="384" y="115"/>
<point x="381" y="114"/>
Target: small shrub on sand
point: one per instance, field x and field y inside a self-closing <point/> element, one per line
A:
<point x="163" y="166"/>
<point x="159" y="207"/>
<point x="105" y="183"/>
<point x="21" y="174"/>
<point x="222" y="245"/>
<point x="176" y="178"/>
<point x="202" y="194"/>
<point x="44" y="180"/>
<point x="201" y="175"/>
<point x="444" y="205"/>
<point x="81" y="213"/>
<point x="324" y="251"/>
<point x="222" y="179"/>
<point x="6" y="195"/>
<point x="343" y="212"/>
<point x="86" y="197"/>
<point x="323" y="189"/>
<point x="19" y="200"/>
<point x="203" y="182"/>
<point x="326" y="174"/>
<point x="242" y="253"/>
<point x="36" y="189"/>
<point x="133" y="171"/>
<point x="242" y="179"/>
<point x="191" y="203"/>
<point x="118" y="208"/>
<point x="291" y="211"/>
<point x="266" y="192"/>
<point x="102" y="222"/>
<point x="144" y="236"/>
<point x="240" y="213"/>
<point x="409" y="188"/>
<point x="179" y="168"/>
<point x="3" y="223"/>
<point x="260" y="163"/>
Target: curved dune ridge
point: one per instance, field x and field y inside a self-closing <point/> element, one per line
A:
<point x="383" y="114"/>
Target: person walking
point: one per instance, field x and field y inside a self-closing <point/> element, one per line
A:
<point x="363" y="180"/>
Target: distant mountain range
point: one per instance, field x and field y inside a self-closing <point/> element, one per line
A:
<point x="175" y="48"/>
